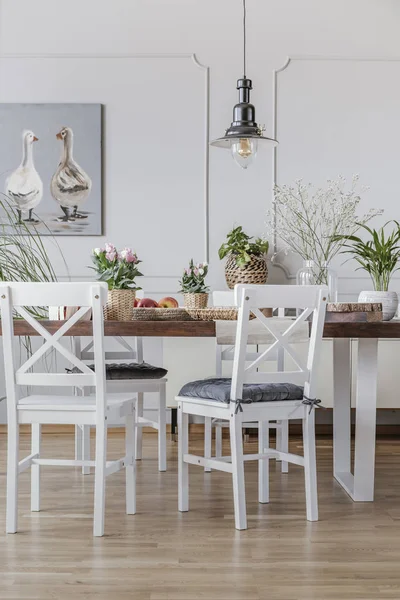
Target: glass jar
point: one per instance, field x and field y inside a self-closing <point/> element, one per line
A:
<point x="306" y="275"/>
<point x="328" y="276"/>
<point x="312" y="274"/>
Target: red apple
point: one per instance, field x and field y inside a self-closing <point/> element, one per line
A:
<point x="147" y="303"/>
<point x="168" y="302"/>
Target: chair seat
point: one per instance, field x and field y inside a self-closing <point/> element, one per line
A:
<point x="122" y="371"/>
<point x="219" y="390"/>
<point x="78" y="403"/>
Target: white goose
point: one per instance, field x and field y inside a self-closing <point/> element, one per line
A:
<point x="70" y="185"/>
<point x="24" y="186"/>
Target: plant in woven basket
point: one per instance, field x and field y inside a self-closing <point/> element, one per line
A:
<point x="246" y="258"/>
<point x="117" y="269"/>
<point x="193" y="285"/>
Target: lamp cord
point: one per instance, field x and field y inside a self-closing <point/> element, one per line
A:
<point x="244" y="39"/>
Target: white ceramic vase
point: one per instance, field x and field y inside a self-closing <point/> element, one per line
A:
<point x="389" y="301"/>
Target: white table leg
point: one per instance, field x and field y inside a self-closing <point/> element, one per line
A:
<point x="364" y="458"/>
<point x="341" y="408"/>
<point x="359" y="486"/>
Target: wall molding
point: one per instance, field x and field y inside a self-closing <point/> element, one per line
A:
<point x="206" y="130"/>
<point x="288" y="61"/>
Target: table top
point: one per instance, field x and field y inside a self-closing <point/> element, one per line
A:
<point x="344" y="329"/>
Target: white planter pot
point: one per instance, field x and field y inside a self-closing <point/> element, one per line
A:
<point x="389" y="301"/>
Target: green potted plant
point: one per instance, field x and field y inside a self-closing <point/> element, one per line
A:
<point x="193" y="286"/>
<point x="246" y="258"/>
<point x="379" y="257"/>
<point x="118" y="270"/>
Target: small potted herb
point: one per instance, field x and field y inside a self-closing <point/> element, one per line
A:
<point x="378" y="256"/>
<point x="193" y="286"/>
<point x="118" y="270"/>
<point x="246" y="258"/>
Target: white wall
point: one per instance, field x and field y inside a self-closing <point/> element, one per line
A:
<point x="96" y="42"/>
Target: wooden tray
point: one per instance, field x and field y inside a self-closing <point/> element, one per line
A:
<point x="338" y="312"/>
<point x="160" y="314"/>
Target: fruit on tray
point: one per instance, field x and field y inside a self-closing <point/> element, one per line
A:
<point x="147" y="303"/>
<point x="168" y="302"/>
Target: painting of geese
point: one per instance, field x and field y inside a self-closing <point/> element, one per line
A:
<point x="24" y="186"/>
<point x="70" y="185"/>
<point x="57" y="187"/>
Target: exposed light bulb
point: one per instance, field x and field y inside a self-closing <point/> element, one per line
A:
<point x="244" y="151"/>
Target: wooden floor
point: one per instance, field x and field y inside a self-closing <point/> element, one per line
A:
<point x="352" y="553"/>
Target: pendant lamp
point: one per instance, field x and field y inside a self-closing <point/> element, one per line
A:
<point x="244" y="135"/>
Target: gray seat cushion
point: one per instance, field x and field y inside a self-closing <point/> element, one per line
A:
<point x="219" y="389"/>
<point x="123" y="371"/>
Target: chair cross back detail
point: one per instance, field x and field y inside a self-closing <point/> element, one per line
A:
<point x="16" y="297"/>
<point x="250" y="300"/>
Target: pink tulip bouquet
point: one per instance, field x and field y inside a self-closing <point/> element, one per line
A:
<point x="193" y="279"/>
<point x="118" y="269"/>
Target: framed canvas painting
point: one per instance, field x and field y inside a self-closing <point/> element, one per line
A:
<point x="51" y="166"/>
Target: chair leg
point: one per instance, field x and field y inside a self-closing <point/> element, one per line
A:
<point x="12" y="476"/>
<point x="35" y="469"/>
<point x="284" y="444"/>
<point x="130" y="469"/>
<point x="263" y="464"/>
<point x="100" y="479"/>
<point x="239" y="495"/>
<point x="218" y="441"/>
<point x="78" y="442"/>
<point x="139" y="432"/>
<point x="183" y="467"/>
<point x="85" y="447"/>
<point x="207" y="440"/>
<point x="162" y="430"/>
<point x="310" y="465"/>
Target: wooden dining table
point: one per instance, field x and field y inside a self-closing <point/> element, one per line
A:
<point x="358" y="484"/>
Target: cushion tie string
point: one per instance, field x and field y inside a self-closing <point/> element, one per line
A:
<point x="239" y="407"/>
<point x="312" y="403"/>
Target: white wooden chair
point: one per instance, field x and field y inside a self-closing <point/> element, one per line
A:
<point x="225" y="353"/>
<point x="139" y="387"/>
<point x="238" y="403"/>
<point x="35" y="410"/>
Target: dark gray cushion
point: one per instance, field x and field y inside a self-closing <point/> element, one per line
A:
<point x="220" y="391"/>
<point x="129" y="371"/>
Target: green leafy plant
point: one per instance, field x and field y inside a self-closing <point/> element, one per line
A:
<point x="379" y="256"/>
<point x="239" y="245"/>
<point x="117" y="269"/>
<point x="193" y="279"/>
<point x="23" y="255"/>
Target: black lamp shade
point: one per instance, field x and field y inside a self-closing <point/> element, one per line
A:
<point x="244" y="124"/>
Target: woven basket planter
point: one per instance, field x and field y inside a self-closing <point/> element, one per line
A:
<point x="195" y="300"/>
<point x="119" y="305"/>
<point x="254" y="272"/>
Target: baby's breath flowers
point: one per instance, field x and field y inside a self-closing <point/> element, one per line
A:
<point x="308" y="221"/>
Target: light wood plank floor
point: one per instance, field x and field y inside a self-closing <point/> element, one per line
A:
<point x="352" y="553"/>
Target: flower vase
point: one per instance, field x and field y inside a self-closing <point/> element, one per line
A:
<point x="195" y="300"/>
<point x="119" y="305"/>
<point x="313" y="274"/>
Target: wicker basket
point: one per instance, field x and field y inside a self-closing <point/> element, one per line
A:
<point x="160" y="314"/>
<point x="253" y="272"/>
<point x="195" y="300"/>
<point x="119" y="305"/>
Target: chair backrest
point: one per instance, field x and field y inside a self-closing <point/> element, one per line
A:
<point x="225" y="351"/>
<point x="312" y="302"/>
<point x="17" y="300"/>
<point x="131" y="351"/>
